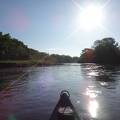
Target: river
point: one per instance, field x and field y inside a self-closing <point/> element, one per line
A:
<point x="32" y="93"/>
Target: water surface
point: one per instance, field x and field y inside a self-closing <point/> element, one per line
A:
<point x="32" y="93"/>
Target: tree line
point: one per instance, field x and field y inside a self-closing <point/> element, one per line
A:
<point x="105" y="51"/>
<point x="14" y="49"/>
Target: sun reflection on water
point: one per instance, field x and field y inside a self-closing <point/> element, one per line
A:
<point x="91" y="92"/>
<point x="93" y="108"/>
<point x="93" y="73"/>
<point x="93" y="104"/>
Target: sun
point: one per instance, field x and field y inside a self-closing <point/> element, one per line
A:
<point x="91" y="17"/>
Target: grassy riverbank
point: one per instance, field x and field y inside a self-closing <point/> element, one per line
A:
<point x="24" y="63"/>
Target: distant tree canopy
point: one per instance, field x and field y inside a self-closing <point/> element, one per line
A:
<point x="104" y="51"/>
<point x="62" y="58"/>
<point x="13" y="49"/>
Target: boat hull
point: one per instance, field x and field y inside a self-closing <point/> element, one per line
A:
<point x="64" y="110"/>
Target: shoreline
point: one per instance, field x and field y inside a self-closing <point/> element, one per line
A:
<point x="10" y="64"/>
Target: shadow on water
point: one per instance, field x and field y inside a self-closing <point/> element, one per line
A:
<point x="105" y="75"/>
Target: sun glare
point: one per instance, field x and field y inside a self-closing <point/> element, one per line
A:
<point x="93" y="107"/>
<point x="91" y="17"/>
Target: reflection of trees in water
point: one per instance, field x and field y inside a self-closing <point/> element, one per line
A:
<point x="14" y="77"/>
<point x="10" y="73"/>
<point x="8" y="77"/>
<point x="104" y="75"/>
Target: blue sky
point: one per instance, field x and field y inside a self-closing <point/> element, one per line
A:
<point x="50" y="25"/>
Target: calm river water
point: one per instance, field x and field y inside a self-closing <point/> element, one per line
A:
<point x="32" y="93"/>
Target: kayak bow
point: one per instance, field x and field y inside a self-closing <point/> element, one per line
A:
<point x="64" y="109"/>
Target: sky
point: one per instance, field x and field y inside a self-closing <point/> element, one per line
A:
<point x="51" y="25"/>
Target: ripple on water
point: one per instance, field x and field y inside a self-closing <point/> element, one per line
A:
<point x="35" y="95"/>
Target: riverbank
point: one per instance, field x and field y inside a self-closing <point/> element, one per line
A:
<point x="25" y="63"/>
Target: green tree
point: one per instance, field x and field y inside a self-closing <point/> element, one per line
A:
<point x="12" y="49"/>
<point x="106" y="51"/>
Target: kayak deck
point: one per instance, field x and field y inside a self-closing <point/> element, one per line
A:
<point x="64" y="110"/>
